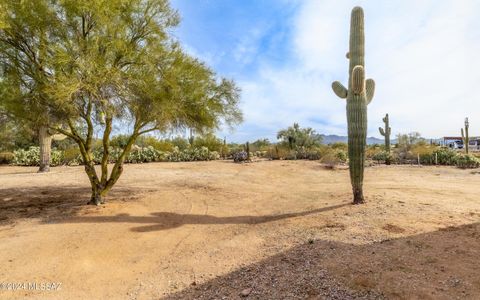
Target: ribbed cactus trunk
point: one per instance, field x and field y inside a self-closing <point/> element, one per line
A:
<point x="465" y="137"/>
<point x="359" y="94"/>
<point x="247" y="149"/>
<point x="386" y="133"/>
<point x="45" y="141"/>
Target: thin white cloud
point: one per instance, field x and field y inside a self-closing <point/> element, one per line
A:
<point x="422" y="54"/>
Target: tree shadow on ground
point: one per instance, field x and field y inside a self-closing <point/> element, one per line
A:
<point x="49" y="202"/>
<point x="439" y="265"/>
<point x="169" y="220"/>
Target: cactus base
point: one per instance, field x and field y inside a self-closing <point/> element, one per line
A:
<point x="358" y="196"/>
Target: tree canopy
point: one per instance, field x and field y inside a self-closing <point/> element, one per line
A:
<point x="80" y="65"/>
<point x="295" y="136"/>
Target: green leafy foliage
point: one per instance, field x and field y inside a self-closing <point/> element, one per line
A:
<point x="209" y="141"/>
<point x="294" y="137"/>
<point x="78" y="66"/>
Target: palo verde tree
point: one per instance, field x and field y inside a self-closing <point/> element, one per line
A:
<point x="295" y="136"/>
<point x="358" y="95"/>
<point x="26" y="30"/>
<point x="114" y="60"/>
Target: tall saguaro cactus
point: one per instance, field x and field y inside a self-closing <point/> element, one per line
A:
<point x="359" y="94"/>
<point x="465" y="137"/>
<point x="386" y="133"/>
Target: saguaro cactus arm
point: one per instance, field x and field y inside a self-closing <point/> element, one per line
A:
<point x="358" y="80"/>
<point x="370" y="86"/>
<point x="382" y="132"/>
<point x="339" y="89"/>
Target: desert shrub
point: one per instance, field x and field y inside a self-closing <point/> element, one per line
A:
<point x="383" y="156"/>
<point x="260" y="145"/>
<point x="445" y="156"/>
<point x="210" y="141"/>
<point x="291" y="155"/>
<point x="240" y="156"/>
<point x="423" y="150"/>
<point x="180" y="143"/>
<point x="314" y="154"/>
<point x="260" y="153"/>
<point x="213" y="155"/>
<point x="341" y="155"/>
<point x="119" y="141"/>
<point x="6" y="157"/>
<point x="339" y="145"/>
<point x="64" y="144"/>
<point x="272" y="152"/>
<point x="72" y="157"/>
<point x="466" y="161"/>
<point x="331" y="159"/>
<point x="295" y="136"/>
<point x="282" y="152"/>
<point x="372" y="151"/>
<point x="151" y="141"/>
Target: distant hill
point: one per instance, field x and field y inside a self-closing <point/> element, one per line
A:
<point x="332" y="138"/>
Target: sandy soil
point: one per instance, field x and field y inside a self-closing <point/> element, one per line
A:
<point x="279" y="229"/>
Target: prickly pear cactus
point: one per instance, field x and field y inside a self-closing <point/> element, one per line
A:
<point x="359" y="94"/>
<point x="386" y="133"/>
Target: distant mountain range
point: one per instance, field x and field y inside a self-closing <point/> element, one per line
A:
<point x="332" y="138"/>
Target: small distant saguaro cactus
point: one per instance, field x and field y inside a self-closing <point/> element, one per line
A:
<point x="224" y="148"/>
<point x="359" y="94"/>
<point x="386" y="133"/>
<point x="465" y="137"/>
<point x="247" y="149"/>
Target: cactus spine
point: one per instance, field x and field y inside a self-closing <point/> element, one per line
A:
<point x="359" y="94"/>
<point x="386" y="133"/>
<point x="465" y="137"/>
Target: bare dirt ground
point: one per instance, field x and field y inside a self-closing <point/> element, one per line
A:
<point x="264" y="230"/>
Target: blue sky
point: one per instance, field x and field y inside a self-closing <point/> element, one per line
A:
<point x="284" y="54"/>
